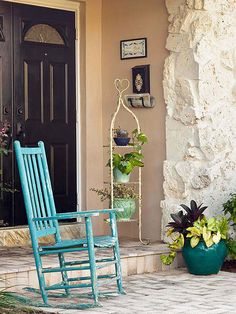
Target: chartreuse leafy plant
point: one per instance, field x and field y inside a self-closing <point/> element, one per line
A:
<point x="211" y="231"/>
<point x="193" y="225"/>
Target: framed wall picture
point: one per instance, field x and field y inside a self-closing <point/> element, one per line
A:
<point x="133" y="48"/>
<point x="141" y="79"/>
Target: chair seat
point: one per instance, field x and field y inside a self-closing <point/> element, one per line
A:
<point x="101" y="241"/>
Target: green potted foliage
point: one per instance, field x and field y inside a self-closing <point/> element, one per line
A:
<point x="229" y="209"/>
<point x="124" y="197"/>
<point x="202" y="240"/>
<point x="124" y="164"/>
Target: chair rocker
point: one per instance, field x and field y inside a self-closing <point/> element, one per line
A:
<point x="43" y="221"/>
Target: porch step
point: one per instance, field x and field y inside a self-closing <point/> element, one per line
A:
<point x="19" y="236"/>
<point x="17" y="269"/>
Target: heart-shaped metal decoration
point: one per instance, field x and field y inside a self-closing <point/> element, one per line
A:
<point x="121" y="85"/>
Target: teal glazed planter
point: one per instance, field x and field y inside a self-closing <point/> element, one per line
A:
<point x="202" y="260"/>
<point x="129" y="206"/>
<point x="120" y="177"/>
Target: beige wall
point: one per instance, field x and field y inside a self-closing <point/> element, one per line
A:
<point x="91" y="104"/>
<point x="103" y="23"/>
<point x="133" y="19"/>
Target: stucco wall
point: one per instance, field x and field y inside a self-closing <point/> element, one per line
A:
<point x="103" y="23"/>
<point x="133" y="19"/>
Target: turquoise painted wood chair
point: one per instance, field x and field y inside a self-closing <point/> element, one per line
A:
<point x="43" y="221"/>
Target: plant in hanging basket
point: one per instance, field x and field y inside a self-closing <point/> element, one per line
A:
<point x="121" y="137"/>
<point x="202" y="240"/>
<point x="124" y="164"/>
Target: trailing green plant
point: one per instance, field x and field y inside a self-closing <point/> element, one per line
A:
<point x="231" y="245"/>
<point x="195" y="227"/>
<point x="138" y="139"/>
<point x="127" y="162"/>
<point x="229" y="208"/>
<point x="119" y="191"/>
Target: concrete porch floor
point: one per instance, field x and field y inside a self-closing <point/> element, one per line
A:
<point x="172" y="292"/>
<point x="18" y="270"/>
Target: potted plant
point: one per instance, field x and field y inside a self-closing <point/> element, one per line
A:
<point x="202" y="240"/>
<point x="124" y="197"/>
<point x="121" y="137"/>
<point x="123" y="164"/>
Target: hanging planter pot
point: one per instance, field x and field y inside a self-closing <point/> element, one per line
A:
<point x="129" y="206"/>
<point x="121" y="141"/>
<point x="120" y="177"/>
<point x="203" y="260"/>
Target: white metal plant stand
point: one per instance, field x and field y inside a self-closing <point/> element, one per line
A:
<point x="121" y="86"/>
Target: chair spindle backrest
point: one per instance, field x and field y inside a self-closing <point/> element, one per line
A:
<point x="37" y="189"/>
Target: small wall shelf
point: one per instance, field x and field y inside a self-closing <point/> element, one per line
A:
<point x="121" y="86"/>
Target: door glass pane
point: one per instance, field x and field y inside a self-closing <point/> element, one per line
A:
<point x="43" y="33"/>
<point x="2" y="38"/>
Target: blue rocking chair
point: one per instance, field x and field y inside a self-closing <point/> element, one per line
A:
<point x="43" y="221"/>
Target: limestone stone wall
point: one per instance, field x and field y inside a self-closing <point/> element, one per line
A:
<point x="200" y="94"/>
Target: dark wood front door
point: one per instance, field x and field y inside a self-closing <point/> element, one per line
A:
<point x="41" y="87"/>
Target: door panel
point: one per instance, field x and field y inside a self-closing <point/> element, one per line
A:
<point x="6" y="86"/>
<point x="33" y="90"/>
<point x="59" y="92"/>
<point x="43" y="89"/>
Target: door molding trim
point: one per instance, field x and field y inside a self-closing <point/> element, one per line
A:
<point x="68" y="5"/>
<point x="74" y="6"/>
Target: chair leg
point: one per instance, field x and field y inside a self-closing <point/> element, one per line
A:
<point x="116" y="252"/>
<point x="63" y="273"/>
<point x="92" y="260"/>
<point x="42" y="284"/>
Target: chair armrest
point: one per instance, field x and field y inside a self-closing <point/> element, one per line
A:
<point x="81" y="214"/>
<point x="68" y="215"/>
<point x="105" y="211"/>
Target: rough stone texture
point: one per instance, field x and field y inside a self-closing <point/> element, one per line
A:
<point x="200" y="94"/>
<point x="20" y="236"/>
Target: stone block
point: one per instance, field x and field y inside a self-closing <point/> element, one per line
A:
<point x="173" y="184"/>
<point x="177" y="42"/>
<point x="174" y="5"/>
<point x="132" y="266"/>
<point x="140" y="264"/>
<point x="179" y="139"/>
<point x="149" y="264"/>
<point x="186" y="66"/>
<point x="198" y="5"/>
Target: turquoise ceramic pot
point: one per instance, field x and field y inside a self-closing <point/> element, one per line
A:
<point x="129" y="208"/>
<point x="120" y="177"/>
<point x="202" y="260"/>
